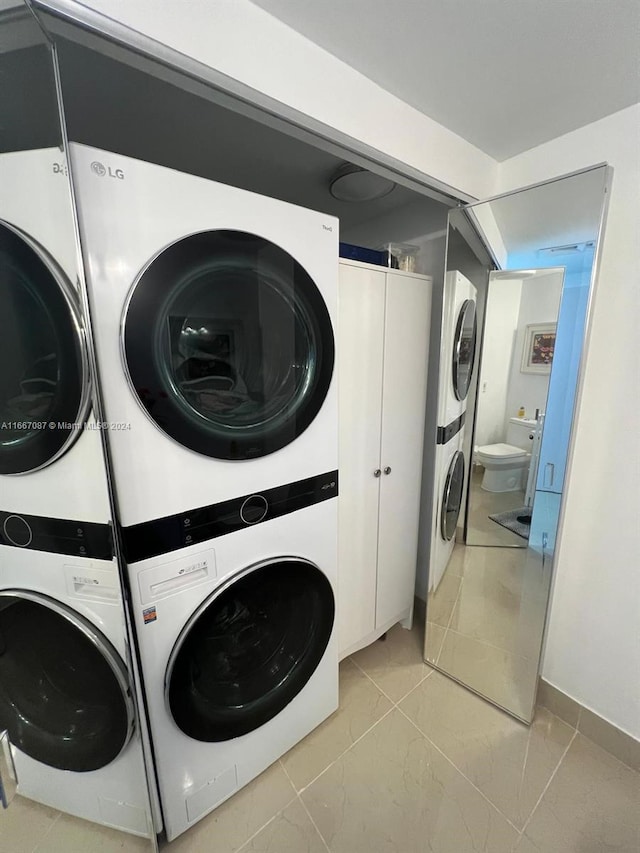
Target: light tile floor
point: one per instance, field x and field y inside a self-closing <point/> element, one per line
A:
<point x="413" y="763"/>
<point x="410" y="763"/>
<point x="481" y="530"/>
<point x="485" y="622"/>
<point x="27" y="827"/>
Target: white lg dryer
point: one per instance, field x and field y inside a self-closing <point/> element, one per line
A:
<point x="237" y="637"/>
<point x="457" y="348"/>
<point x="215" y="339"/>
<point x="65" y="691"/>
<point x="51" y="462"/>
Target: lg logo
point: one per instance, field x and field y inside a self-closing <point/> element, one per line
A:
<point x="103" y="171"/>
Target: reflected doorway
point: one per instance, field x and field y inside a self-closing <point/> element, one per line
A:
<point x="516" y="359"/>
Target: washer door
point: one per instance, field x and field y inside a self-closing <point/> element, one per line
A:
<point x="44" y="373"/>
<point x="452" y="496"/>
<point x="228" y="344"/>
<point x="464" y="348"/>
<point x="249" y="649"/>
<point x="64" y="690"/>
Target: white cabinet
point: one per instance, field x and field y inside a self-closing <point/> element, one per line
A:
<point x="383" y="330"/>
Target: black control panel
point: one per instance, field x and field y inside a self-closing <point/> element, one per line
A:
<point x="446" y="433"/>
<point x="163" y="535"/>
<point x="56" y="535"/>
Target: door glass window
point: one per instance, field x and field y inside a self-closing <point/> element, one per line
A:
<point x="229" y="344"/>
<point x="250" y="651"/>
<point x="42" y="367"/>
<point x="464" y="349"/>
<point x="452" y="497"/>
<point x="60" y="699"/>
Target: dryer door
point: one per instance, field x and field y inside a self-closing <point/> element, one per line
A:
<point x="44" y="373"/>
<point x="64" y="690"/>
<point x="249" y="649"/>
<point x="452" y="496"/>
<point x="228" y="344"/>
<point x="464" y="348"/>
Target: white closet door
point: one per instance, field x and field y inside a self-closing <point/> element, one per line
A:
<point x="360" y="335"/>
<point x="407" y="317"/>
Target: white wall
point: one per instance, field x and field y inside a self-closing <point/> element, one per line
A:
<point x="247" y="44"/>
<point x="593" y="642"/>
<point x="500" y="327"/>
<point x="540" y="304"/>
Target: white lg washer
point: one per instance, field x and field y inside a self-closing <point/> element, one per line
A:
<point x="61" y="613"/>
<point x="237" y="638"/>
<point x="449" y="491"/>
<point x="45" y="385"/>
<point x="457" y="348"/>
<point x="215" y="339"/>
<point x="65" y="693"/>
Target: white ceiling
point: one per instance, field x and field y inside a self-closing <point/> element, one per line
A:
<point x="504" y="74"/>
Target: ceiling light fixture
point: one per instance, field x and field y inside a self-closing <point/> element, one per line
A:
<point x="354" y="184"/>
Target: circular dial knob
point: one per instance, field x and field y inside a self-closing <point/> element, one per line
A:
<point x="254" y="509"/>
<point x="17" y="531"/>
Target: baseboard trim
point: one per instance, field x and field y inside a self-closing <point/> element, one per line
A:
<point x="603" y="733"/>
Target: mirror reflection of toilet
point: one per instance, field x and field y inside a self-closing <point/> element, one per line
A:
<point x="506" y="465"/>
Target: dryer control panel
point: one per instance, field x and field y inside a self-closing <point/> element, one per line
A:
<point x="56" y="535"/>
<point x="163" y="535"/>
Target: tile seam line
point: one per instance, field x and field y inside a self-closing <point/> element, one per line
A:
<point x="484" y="642"/>
<point x="453" y="609"/>
<point x="315" y="825"/>
<point x="38" y="844"/>
<point x="264" y="825"/>
<point x="344" y="752"/>
<point x="551" y="778"/>
<point x="464" y="776"/>
<point x="302" y="803"/>
<point x="386" y="695"/>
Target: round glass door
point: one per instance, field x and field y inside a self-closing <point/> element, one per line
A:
<point x="452" y="496"/>
<point x="228" y="344"/>
<point x="464" y="348"/>
<point x="44" y="388"/>
<point x="64" y="695"/>
<point x="249" y="650"/>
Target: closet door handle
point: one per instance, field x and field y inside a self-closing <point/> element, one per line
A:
<point x="387" y="470"/>
<point x="377" y="472"/>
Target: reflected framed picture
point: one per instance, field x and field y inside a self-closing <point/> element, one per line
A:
<point x="539" y="345"/>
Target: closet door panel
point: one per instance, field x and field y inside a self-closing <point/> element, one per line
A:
<point x="360" y="352"/>
<point x="407" y="319"/>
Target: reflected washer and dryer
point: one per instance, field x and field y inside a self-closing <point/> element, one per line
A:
<point x="45" y="384"/>
<point x="65" y="694"/>
<point x="450" y="476"/>
<point x="237" y="637"/>
<point x="457" y="356"/>
<point x="215" y="345"/>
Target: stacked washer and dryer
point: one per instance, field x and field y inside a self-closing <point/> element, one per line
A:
<point x="65" y="693"/>
<point x="215" y="346"/>
<point x="457" y="353"/>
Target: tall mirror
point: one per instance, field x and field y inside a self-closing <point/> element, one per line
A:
<point x="528" y="261"/>
<point x="72" y="772"/>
